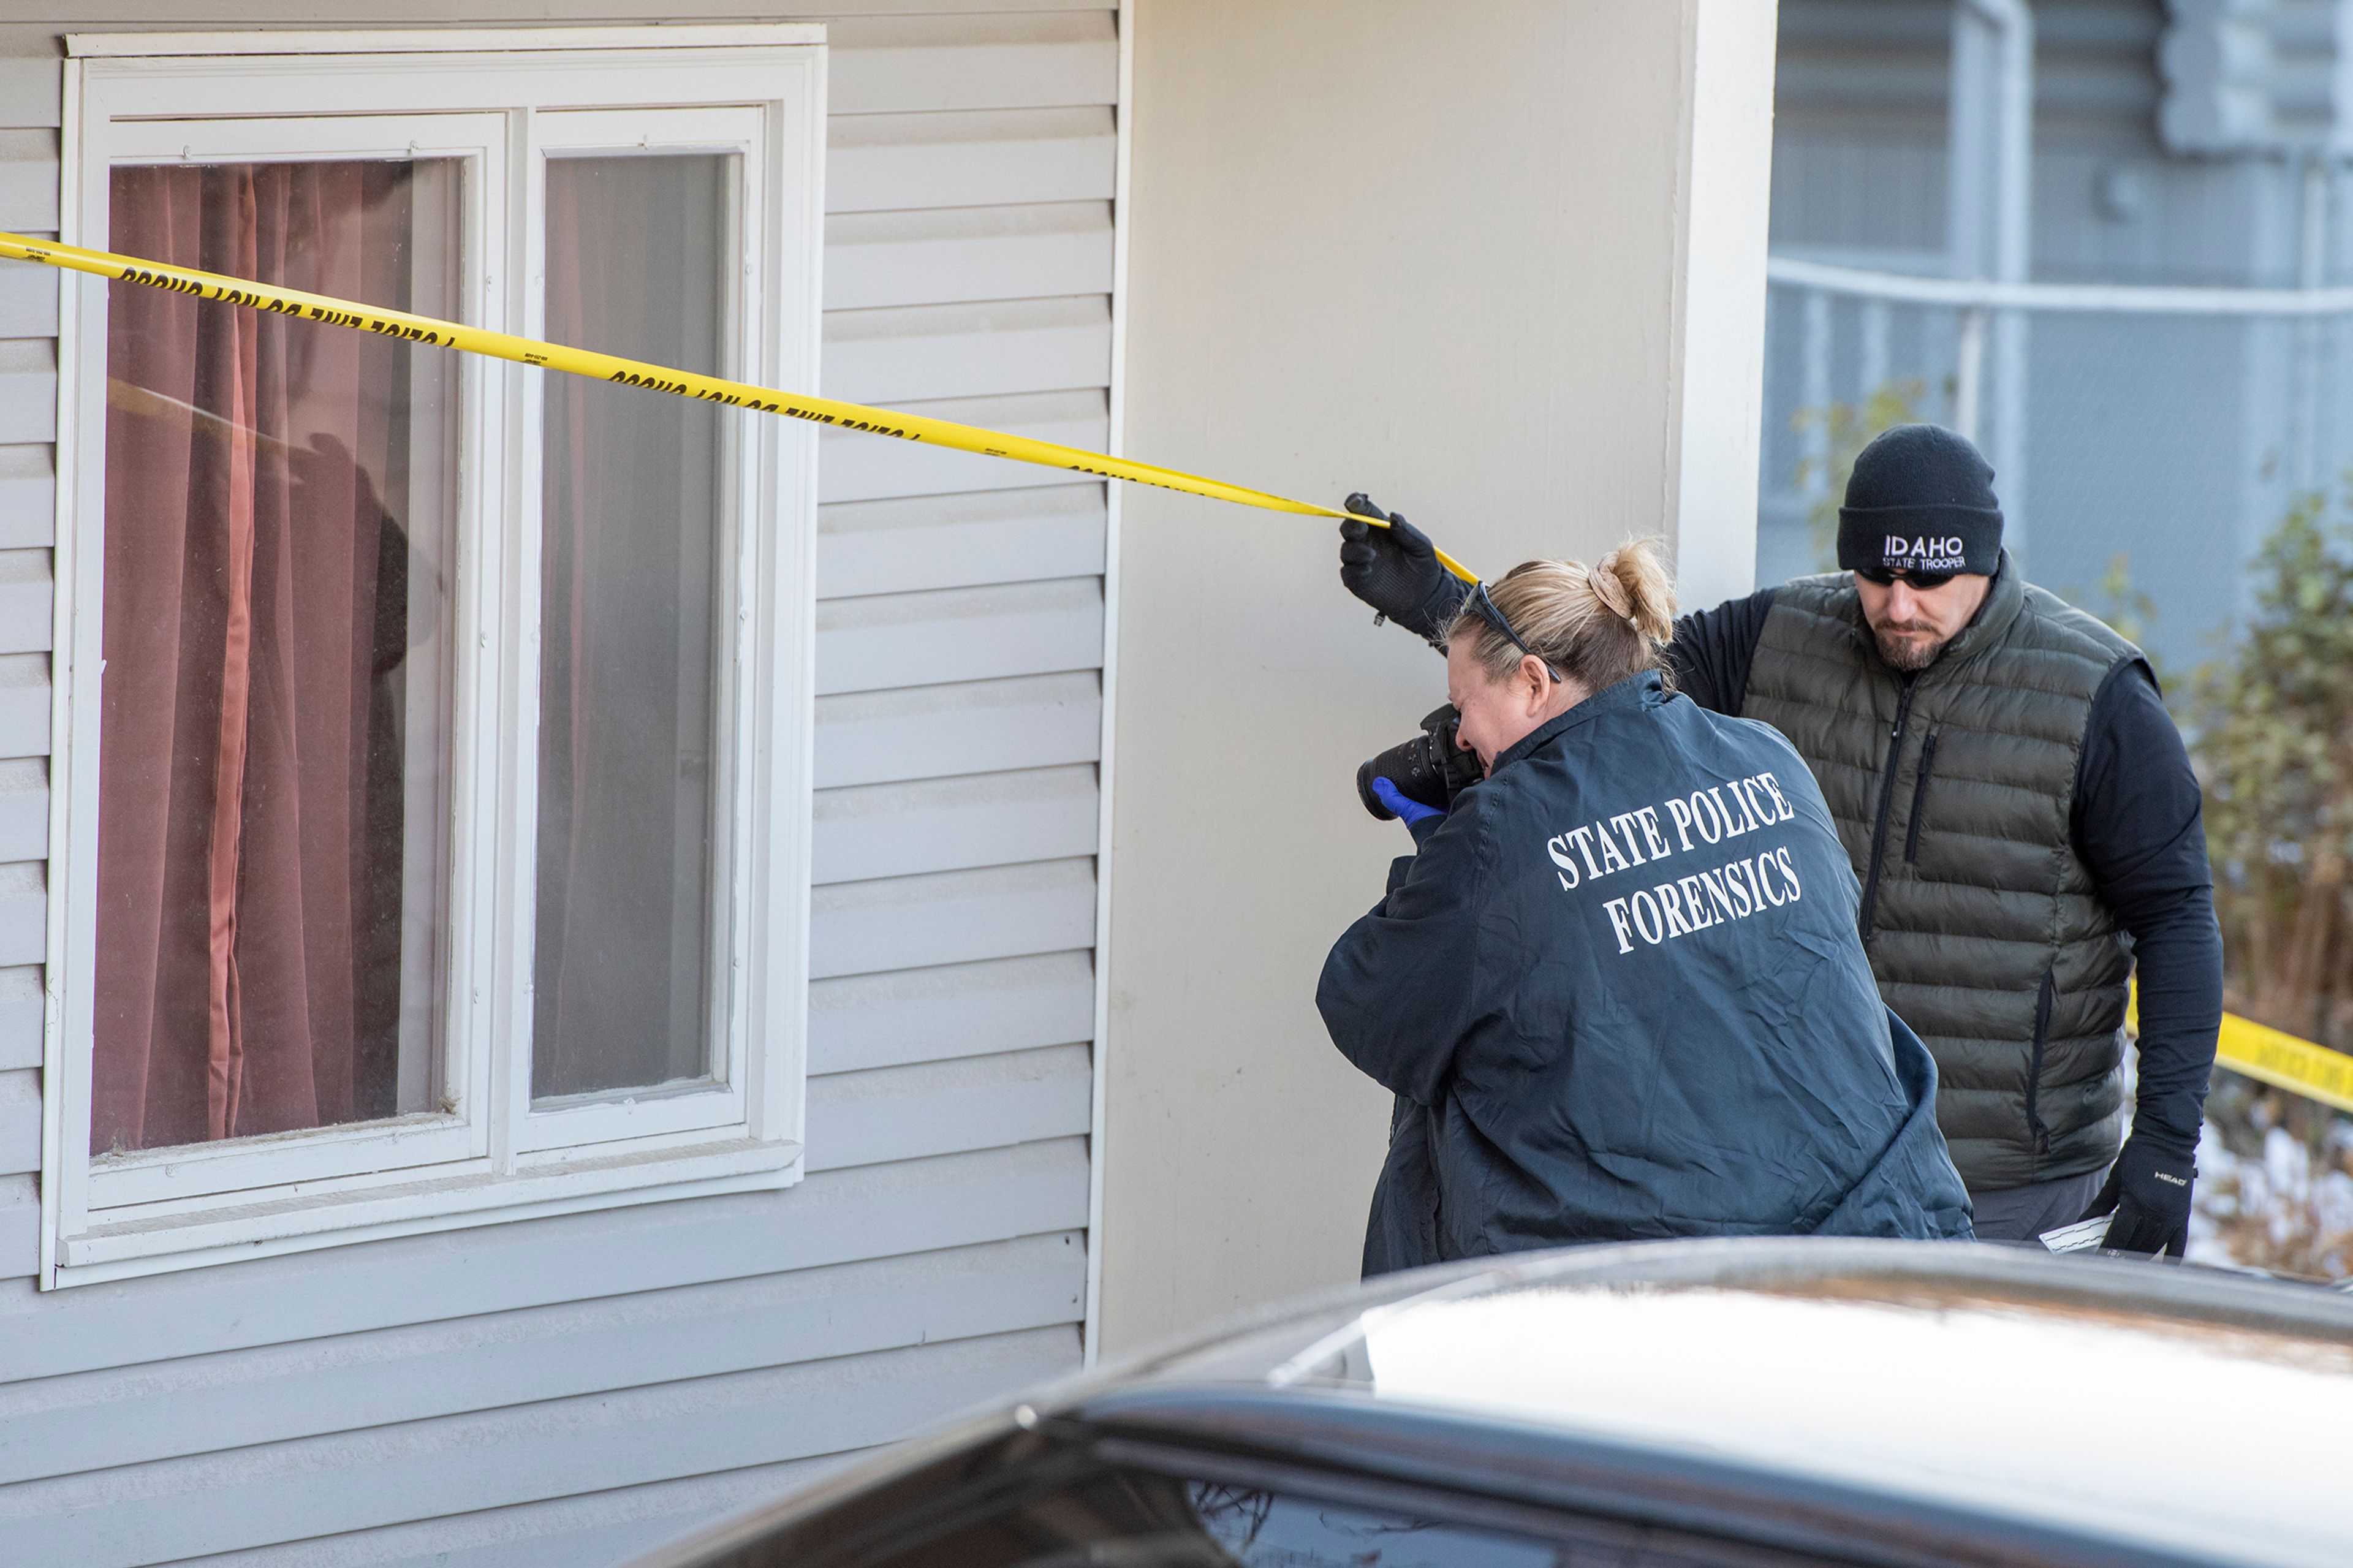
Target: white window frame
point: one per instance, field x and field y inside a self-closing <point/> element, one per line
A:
<point x="504" y="101"/>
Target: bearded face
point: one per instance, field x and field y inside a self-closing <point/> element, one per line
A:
<point x="1912" y="625"/>
<point x="1908" y="645"/>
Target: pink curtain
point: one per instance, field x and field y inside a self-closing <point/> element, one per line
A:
<point x="250" y="776"/>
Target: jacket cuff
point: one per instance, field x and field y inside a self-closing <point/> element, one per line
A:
<point x="2154" y="1124"/>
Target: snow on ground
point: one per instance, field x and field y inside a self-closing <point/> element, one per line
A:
<point x="2274" y="1181"/>
<point x="2288" y="1205"/>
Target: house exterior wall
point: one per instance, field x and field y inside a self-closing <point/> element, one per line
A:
<point x="1446" y="256"/>
<point x="570" y="1390"/>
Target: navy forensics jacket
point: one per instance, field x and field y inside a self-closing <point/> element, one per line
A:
<point x="1619" y="994"/>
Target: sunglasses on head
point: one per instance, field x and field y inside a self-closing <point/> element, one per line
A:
<point x="1480" y="605"/>
<point x="1924" y="580"/>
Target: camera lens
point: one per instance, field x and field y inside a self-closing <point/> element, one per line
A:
<point x="1430" y="768"/>
<point x="1406" y="765"/>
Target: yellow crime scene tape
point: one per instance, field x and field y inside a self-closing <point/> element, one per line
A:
<point x="2260" y="1052"/>
<point x="2283" y="1061"/>
<point x="826" y="411"/>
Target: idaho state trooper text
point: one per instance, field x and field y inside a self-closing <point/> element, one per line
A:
<point x="1732" y="889"/>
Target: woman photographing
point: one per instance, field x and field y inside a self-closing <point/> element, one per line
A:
<point x="1618" y="991"/>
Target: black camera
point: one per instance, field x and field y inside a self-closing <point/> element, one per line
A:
<point x="1431" y="768"/>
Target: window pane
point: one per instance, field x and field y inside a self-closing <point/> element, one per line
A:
<point x="632" y="535"/>
<point x="272" y="776"/>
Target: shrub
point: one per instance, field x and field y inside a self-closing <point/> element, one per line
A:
<point x="2274" y="726"/>
<point x="2271" y="727"/>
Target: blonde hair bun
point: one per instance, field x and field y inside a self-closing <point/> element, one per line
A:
<point x="1609" y="591"/>
<point x="1595" y="624"/>
<point x="1641" y="580"/>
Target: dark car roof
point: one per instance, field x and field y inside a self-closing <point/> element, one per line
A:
<point x="2065" y="1409"/>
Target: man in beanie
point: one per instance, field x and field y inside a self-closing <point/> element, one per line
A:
<point x="2021" y="813"/>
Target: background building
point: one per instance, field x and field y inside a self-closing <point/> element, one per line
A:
<point x="2183" y="145"/>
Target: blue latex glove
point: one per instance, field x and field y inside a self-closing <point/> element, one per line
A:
<point x="1411" y="812"/>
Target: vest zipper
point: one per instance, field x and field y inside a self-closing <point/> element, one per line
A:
<point x="1886" y="801"/>
<point x="2042" y="1134"/>
<point x="1919" y="799"/>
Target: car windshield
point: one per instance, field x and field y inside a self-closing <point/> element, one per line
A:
<point x="1801" y="1379"/>
<point x="1059" y="1508"/>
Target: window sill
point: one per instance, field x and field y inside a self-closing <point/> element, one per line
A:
<point x="302" y="1222"/>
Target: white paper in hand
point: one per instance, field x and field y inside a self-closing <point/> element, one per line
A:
<point x="2081" y="1237"/>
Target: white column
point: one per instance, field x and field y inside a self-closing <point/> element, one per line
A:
<point x="1720" y="330"/>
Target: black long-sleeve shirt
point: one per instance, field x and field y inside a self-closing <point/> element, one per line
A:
<point x="2138" y="826"/>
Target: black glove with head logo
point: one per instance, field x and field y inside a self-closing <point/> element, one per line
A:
<point x="2149" y="1191"/>
<point x="1395" y="570"/>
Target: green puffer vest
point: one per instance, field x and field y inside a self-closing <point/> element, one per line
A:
<point x="1953" y="797"/>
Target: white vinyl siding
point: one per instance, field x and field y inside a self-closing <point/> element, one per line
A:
<point x="572" y="1389"/>
<point x="29" y="412"/>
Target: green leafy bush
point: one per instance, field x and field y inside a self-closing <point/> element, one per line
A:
<point x="2273" y="721"/>
<point x="2271" y="727"/>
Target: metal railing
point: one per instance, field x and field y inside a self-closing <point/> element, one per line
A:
<point x="1988" y="321"/>
<point x="1985" y="295"/>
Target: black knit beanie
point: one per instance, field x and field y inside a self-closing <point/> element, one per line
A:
<point x="1920" y="499"/>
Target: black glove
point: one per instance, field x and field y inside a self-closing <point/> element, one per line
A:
<point x="1395" y="570"/>
<point x="2148" y="1190"/>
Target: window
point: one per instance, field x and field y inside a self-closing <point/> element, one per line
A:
<point x="436" y="829"/>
